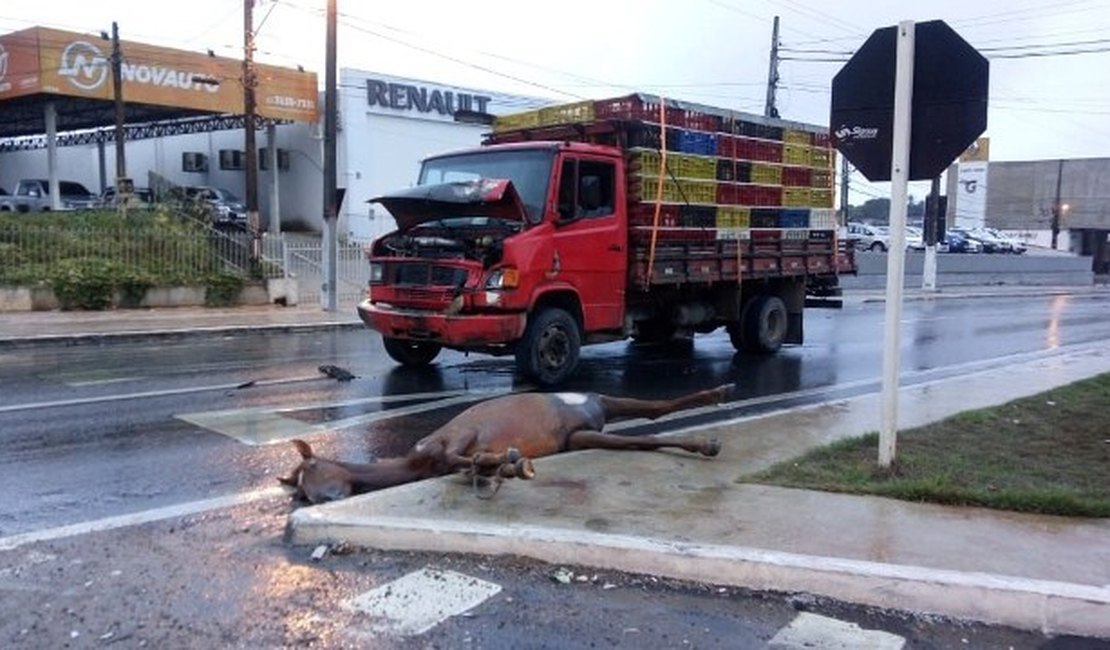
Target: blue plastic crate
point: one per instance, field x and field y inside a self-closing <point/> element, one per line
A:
<point x="794" y="218"/>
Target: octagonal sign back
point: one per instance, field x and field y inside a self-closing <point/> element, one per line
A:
<point x="949" y="109"/>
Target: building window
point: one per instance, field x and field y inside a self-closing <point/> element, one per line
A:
<point x="194" y="161"/>
<point x="232" y="159"/>
<point x="264" y="159"/>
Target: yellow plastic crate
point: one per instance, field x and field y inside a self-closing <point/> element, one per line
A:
<point x="794" y="136"/>
<point x="764" y="174"/>
<point x="733" y="216"/>
<point x="796" y="197"/>
<point x="567" y="113"/>
<point x="645" y="163"/>
<point x="820" y="157"/>
<point x="704" y="192"/>
<point x="648" y="186"/>
<point x="796" y="154"/>
<point x="820" y="198"/>
<point x="514" y="121"/>
<point x="686" y="166"/>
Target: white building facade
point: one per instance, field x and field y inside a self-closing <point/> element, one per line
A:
<point x="387" y="125"/>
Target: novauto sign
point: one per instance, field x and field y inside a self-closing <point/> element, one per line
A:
<point x="83" y="65"/>
<point x="56" y="62"/>
<point x="86" y="68"/>
<point x="421" y="99"/>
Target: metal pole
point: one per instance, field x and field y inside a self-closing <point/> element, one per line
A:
<point x="330" y="190"/>
<point x="51" y="117"/>
<point x="845" y="180"/>
<point x="929" y="272"/>
<point x="117" y="91"/>
<point x="251" y="159"/>
<point x="275" y="194"/>
<point x="769" y="109"/>
<point x="1056" y="207"/>
<point x="896" y="259"/>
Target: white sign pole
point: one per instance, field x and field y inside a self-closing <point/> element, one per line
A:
<point x="896" y="260"/>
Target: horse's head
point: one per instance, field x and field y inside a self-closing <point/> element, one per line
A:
<point x="318" y="480"/>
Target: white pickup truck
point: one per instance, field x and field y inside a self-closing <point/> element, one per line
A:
<point x="33" y="195"/>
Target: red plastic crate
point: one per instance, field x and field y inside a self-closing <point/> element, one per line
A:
<point x="726" y="146"/>
<point x="796" y="176"/>
<point x="726" y="193"/>
<point x="633" y="107"/>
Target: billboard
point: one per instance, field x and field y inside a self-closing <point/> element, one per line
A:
<point x="971" y="194"/>
<point x="51" y="61"/>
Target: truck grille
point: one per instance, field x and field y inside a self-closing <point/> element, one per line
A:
<point x="429" y="275"/>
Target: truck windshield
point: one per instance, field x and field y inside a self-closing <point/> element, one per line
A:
<point x="529" y="170"/>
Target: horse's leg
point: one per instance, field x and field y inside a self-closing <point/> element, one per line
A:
<point x="598" y="440"/>
<point x="626" y="408"/>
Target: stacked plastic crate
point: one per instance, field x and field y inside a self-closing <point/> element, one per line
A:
<point x="725" y="176"/>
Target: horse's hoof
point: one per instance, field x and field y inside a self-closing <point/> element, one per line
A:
<point x="524" y="469"/>
<point x="712" y="447"/>
<point x="512" y="455"/>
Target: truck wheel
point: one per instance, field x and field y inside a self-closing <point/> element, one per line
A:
<point x="548" y="352"/>
<point x="762" y="326"/>
<point x="411" y="353"/>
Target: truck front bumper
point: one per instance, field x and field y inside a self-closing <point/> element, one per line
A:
<point x="455" y="331"/>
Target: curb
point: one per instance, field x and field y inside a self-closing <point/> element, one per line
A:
<point x="100" y="338"/>
<point x="1016" y="292"/>
<point x="1049" y="606"/>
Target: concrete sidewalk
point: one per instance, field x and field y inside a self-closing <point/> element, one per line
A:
<point x="76" y="327"/>
<point x="677" y="515"/>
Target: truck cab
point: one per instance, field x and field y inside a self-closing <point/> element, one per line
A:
<point x="507" y="249"/>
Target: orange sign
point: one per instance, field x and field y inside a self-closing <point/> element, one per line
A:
<point x="40" y="60"/>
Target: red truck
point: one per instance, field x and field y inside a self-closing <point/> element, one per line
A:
<point x="599" y="221"/>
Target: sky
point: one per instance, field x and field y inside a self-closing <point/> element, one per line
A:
<point x="1049" y="59"/>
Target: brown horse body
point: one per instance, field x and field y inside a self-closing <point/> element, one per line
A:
<point x="498" y="438"/>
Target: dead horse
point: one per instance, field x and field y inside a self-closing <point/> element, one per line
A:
<point x="497" y="438"/>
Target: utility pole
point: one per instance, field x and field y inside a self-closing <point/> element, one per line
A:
<point x="845" y="181"/>
<point x="331" y="111"/>
<point x="249" y="120"/>
<point x="769" y="109"/>
<point x="117" y="91"/>
<point x="1056" y="207"/>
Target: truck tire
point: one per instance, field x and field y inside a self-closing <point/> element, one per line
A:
<point x="548" y="352"/>
<point x="762" y="326"/>
<point x="411" y="353"/>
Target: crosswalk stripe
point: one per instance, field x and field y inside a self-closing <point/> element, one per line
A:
<point x="417" y="602"/>
<point x="813" y="632"/>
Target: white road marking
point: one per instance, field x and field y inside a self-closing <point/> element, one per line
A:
<point x="812" y="632"/>
<point x="264" y="426"/>
<point x="417" y="602"/>
<point x="146" y="394"/>
<point x="136" y="518"/>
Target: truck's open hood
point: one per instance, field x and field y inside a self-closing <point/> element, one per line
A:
<point x="486" y="197"/>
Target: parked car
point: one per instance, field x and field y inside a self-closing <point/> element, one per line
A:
<point x="915" y="239"/>
<point x="957" y="242"/>
<point x="141" y="198"/>
<point x="990" y="243"/>
<point x="1017" y="246"/>
<point x="868" y="237"/>
<point x="222" y="206"/>
<point x="33" y="195"/>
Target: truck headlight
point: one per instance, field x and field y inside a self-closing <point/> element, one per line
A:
<point x="504" y="278"/>
<point x="377" y="272"/>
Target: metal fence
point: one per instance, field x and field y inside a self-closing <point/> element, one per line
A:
<point x="32" y="253"/>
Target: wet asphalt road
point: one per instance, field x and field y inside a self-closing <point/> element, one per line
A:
<point x="93" y="431"/>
